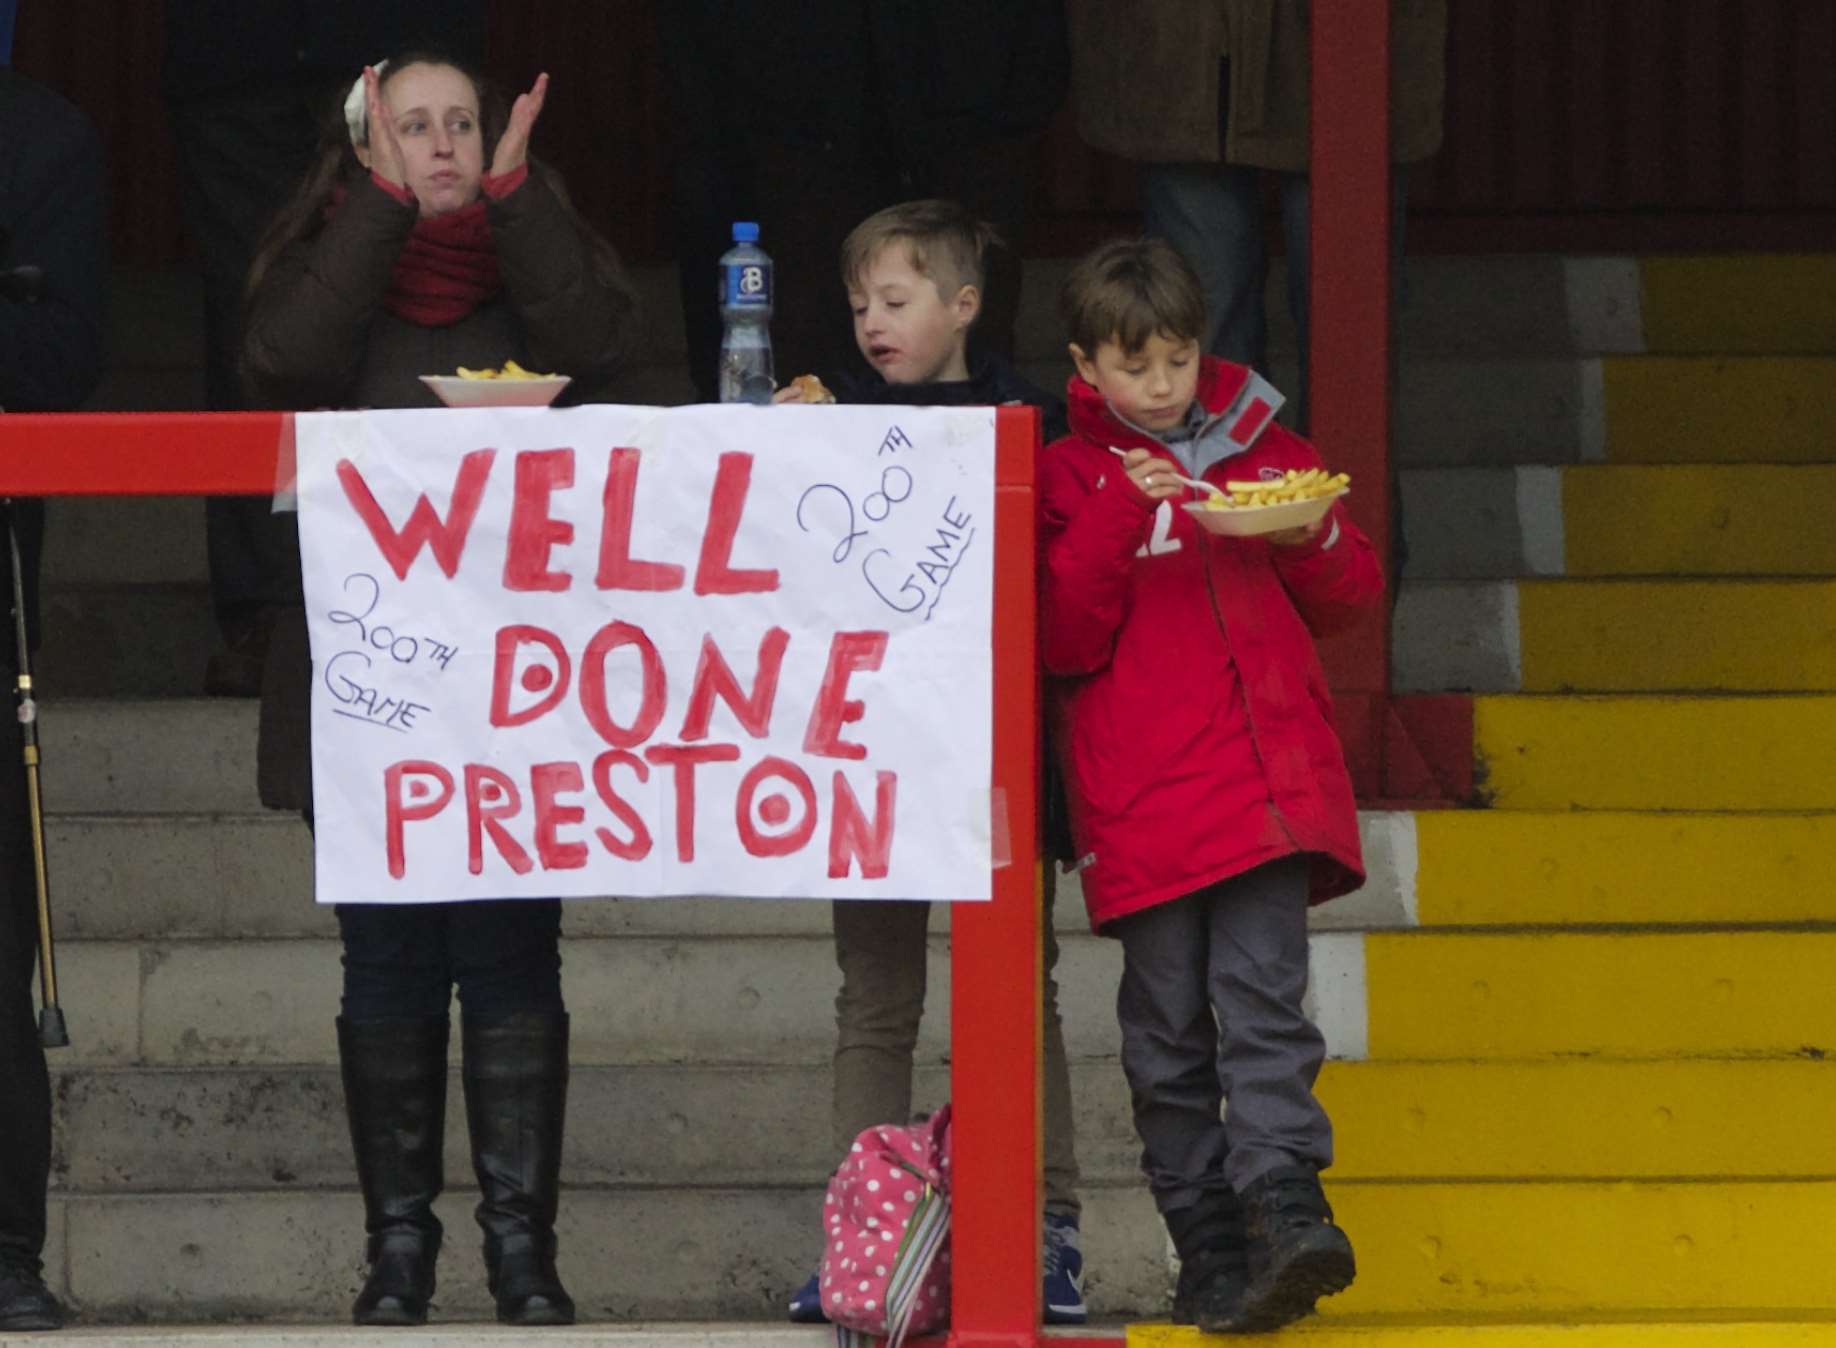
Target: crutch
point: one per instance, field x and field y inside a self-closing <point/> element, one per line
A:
<point x="25" y="285"/>
<point x="51" y="1030"/>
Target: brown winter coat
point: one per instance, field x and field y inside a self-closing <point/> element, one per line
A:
<point x="319" y="337"/>
<point x="1144" y="78"/>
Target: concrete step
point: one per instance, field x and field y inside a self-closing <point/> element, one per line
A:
<point x="135" y="868"/>
<point x="1616" y="636"/>
<point x="1326" y="1332"/>
<point x="751" y="1000"/>
<point x="483" y="1333"/>
<point x="116" y="878"/>
<point x="146" y="756"/>
<point x="1708" y="1247"/>
<point x="769" y="1000"/>
<point x="1519" y="868"/>
<point x="647" y="1126"/>
<point x="1643" y="994"/>
<point x="1657" y="752"/>
<point x="140" y="1130"/>
<point x="1606" y="520"/>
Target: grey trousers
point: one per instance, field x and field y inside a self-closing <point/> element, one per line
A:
<point x="881" y="950"/>
<point x="1210" y="1006"/>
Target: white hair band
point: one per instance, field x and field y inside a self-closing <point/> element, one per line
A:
<point x="357" y="107"/>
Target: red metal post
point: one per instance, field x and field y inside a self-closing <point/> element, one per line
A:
<point x="995" y="965"/>
<point x="1350" y="330"/>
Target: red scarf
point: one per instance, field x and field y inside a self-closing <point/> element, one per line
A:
<point x="447" y="268"/>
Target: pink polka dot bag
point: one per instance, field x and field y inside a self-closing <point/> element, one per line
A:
<point x="886" y="1247"/>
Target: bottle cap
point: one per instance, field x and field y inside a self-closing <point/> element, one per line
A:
<point x="745" y="231"/>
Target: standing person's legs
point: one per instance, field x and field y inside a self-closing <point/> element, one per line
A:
<point x="880" y="948"/>
<point x="1269" y="1055"/>
<point x="25" y="1114"/>
<point x="239" y="156"/>
<point x="1297" y="227"/>
<point x="507" y="960"/>
<point x="1064" y="1247"/>
<point x="1169" y="1053"/>
<point x="1212" y="213"/>
<point x="1061" y="1172"/>
<point x="392" y="1041"/>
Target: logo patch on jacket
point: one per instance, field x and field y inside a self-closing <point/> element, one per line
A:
<point x="1251" y="411"/>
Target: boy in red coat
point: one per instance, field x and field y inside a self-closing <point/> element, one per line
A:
<point x="1209" y="798"/>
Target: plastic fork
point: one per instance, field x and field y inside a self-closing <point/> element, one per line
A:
<point x="1189" y="481"/>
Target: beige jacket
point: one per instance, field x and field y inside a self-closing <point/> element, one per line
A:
<point x="1144" y="78"/>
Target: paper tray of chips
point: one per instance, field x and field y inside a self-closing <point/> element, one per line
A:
<point x="1249" y="521"/>
<point x="457" y="392"/>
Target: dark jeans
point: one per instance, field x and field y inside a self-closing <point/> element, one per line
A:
<point x="402" y="960"/>
<point x="25" y="1092"/>
<point x="240" y="157"/>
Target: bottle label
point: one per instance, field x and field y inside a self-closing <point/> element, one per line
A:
<point x="748" y="284"/>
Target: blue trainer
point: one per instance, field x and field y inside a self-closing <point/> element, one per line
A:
<point x="1064" y="1271"/>
<point x="806" y="1303"/>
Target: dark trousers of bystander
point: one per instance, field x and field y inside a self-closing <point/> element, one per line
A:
<point x="25" y="1093"/>
<point x="402" y="960"/>
<point x="240" y="155"/>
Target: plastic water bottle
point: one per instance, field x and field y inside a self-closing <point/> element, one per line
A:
<point x="745" y="308"/>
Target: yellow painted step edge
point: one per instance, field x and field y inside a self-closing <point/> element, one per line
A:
<point x="1657" y="752"/>
<point x="1729" y="635"/>
<point x="1495" y="995"/>
<point x="1327" y="1331"/>
<point x="1527" y="868"/>
<point x="1710" y="409"/>
<point x="1580" y="1118"/>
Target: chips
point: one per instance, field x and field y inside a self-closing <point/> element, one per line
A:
<point x="1297" y="485"/>
<point x="511" y="370"/>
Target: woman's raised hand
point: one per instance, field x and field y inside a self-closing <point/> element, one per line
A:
<point x="386" y="158"/>
<point x="513" y="146"/>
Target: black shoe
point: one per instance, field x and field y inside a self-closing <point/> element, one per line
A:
<point x="516" y="1104"/>
<point x="395" y="1095"/>
<point x="1296" y="1253"/>
<point x="1210" y="1288"/>
<point x="1213" y="1258"/>
<point x="26" y="1303"/>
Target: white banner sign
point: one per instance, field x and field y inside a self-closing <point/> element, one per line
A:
<point x="634" y="651"/>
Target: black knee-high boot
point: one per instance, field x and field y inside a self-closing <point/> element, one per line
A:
<point x="516" y="1104"/>
<point x="395" y="1094"/>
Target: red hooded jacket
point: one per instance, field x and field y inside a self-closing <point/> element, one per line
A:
<point x="1189" y="707"/>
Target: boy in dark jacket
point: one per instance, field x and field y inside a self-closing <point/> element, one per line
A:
<point x="914" y="276"/>
<point x="1208" y="792"/>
